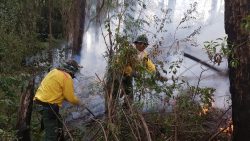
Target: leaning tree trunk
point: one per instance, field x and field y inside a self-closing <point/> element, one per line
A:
<point x="238" y="40"/>
<point x="24" y="112"/>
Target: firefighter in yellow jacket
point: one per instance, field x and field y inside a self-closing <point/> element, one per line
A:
<point x="56" y="87"/>
<point x="141" y="43"/>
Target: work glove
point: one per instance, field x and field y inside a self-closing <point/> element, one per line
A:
<point x="145" y="60"/>
<point x="135" y="74"/>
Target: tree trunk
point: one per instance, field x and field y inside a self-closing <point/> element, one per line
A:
<point x="24" y="113"/>
<point x="238" y="40"/>
<point x="50" y="29"/>
<point x="79" y="22"/>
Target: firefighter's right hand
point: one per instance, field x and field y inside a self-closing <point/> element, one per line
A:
<point x="82" y="104"/>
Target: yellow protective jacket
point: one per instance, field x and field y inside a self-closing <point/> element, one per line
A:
<point x="56" y="87"/>
<point x="149" y="64"/>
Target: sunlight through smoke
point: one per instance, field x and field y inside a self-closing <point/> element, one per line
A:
<point x="88" y="41"/>
<point x="93" y="49"/>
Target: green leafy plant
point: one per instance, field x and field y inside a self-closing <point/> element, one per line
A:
<point x="10" y="87"/>
<point x="219" y="49"/>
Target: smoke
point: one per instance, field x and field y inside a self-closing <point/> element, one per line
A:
<point x="92" y="54"/>
<point x="207" y="19"/>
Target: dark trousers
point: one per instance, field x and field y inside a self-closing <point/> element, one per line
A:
<point x="127" y="90"/>
<point x="51" y="122"/>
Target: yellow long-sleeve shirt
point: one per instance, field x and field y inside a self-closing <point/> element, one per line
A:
<point x="56" y="87"/>
<point x="148" y="63"/>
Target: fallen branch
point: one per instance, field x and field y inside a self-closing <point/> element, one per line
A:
<point x="216" y="134"/>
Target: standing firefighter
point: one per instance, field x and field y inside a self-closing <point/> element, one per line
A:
<point x="56" y="87"/>
<point x="130" y="71"/>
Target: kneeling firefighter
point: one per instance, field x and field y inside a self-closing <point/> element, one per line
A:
<point x="56" y="87"/>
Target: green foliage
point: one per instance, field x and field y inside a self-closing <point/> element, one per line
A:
<point x="125" y="54"/>
<point x="205" y="95"/>
<point x="218" y="49"/>
<point x="24" y="30"/>
<point x="56" y="22"/>
<point x="17" y="34"/>
<point x="22" y="26"/>
<point x="174" y="66"/>
<point x="10" y="87"/>
<point x="7" y="135"/>
<point x="145" y="82"/>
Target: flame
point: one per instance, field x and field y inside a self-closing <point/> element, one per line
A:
<point x="229" y="129"/>
<point x="204" y="111"/>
